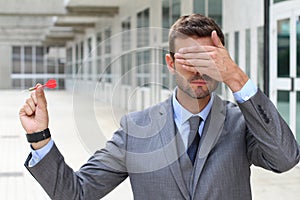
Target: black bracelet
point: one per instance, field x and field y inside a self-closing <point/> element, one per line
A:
<point x="39" y="136"/>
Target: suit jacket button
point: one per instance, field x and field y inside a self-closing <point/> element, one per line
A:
<point x="260" y="109"/>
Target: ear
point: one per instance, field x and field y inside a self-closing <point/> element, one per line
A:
<point x="216" y="40"/>
<point x="170" y="63"/>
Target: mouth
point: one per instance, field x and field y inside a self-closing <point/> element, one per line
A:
<point x="198" y="82"/>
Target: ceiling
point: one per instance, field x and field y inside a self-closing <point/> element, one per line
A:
<point x="52" y="23"/>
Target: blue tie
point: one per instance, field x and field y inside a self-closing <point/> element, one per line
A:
<point x="194" y="138"/>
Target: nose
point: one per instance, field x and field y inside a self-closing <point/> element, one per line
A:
<point x="197" y="73"/>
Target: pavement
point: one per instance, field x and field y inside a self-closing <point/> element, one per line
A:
<point x="68" y="118"/>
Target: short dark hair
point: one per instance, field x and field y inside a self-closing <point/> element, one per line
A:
<point x="193" y="25"/>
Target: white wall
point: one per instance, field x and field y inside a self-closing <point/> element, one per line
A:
<point x="242" y="14"/>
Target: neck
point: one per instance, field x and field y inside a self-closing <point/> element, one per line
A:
<point x="193" y="105"/>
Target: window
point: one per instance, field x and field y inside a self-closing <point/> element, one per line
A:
<point x="99" y="53"/>
<point x="126" y="63"/>
<point x="126" y="36"/>
<point x="89" y="45"/>
<point x="99" y="45"/>
<point x="283" y="48"/>
<point x="81" y="60"/>
<point x="81" y="51"/>
<point x="210" y="8"/>
<point x="28" y="60"/>
<point x="298" y="117"/>
<point x="51" y="65"/>
<point x="170" y="13"/>
<point x="107" y="42"/>
<point x="298" y="46"/>
<point x="17" y="83"/>
<point x="61" y="65"/>
<point x="28" y="82"/>
<point x="16" y="60"/>
<point x="143" y="63"/>
<point x="248" y="52"/>
<point x="77" y="58"/>
<point x="34" y="64"/>
<point x="61" y="83"/>
<point x="126" y="58"/>
<point x="39" y="51"/>
<point x="107" y="75"/>
<point x="260" y="59"/>
<point x="107" y="69"/>
<point x="283" y="104"/>
<point x="69" y="61"/>
<point x="143" y="28"/>
<point x="236" y="47"/>
<point x="277" y="1"/>
<point x="89" y="59"/>
<point x="143" y="57"/>
<point x="99" y="66"/>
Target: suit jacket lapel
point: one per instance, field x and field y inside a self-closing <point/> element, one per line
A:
<point x="211" y="133"/>
<point x="169" y="139"/>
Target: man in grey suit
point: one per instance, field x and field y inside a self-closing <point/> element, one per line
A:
<point x="191" y="146"/>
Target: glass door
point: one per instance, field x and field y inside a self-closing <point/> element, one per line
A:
<point x="285" y="62"/>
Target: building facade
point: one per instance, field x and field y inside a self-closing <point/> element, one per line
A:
<point x="123" y="57"/>
<point x="25" y="58"/>
<point x="127" y="51"/>
<point x="114" y="50"/>
<point x="285" y="61"/>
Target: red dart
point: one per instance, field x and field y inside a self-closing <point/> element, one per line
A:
<point x="50" y="84"/>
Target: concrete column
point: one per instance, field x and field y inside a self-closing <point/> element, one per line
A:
<point x="253" y="55"/>
<point x="242" y="50"/>
<point x="187" y="7"/>
<point x="5" y="67"/>
<point x="94" y="58"/>
<point x="155" y="39"/>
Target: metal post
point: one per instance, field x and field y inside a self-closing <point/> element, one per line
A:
<point x="266" y="46"/>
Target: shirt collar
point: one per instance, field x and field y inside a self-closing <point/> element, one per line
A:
<point x="182" y="115"/>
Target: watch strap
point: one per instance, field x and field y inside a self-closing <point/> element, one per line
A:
<point x="38" y="136"/>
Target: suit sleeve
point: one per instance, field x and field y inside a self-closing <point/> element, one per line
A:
<point x="270" y="142"/>
<point x="101" y="174"/>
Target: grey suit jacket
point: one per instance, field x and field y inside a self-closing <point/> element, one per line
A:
<point x="144" y="148"/>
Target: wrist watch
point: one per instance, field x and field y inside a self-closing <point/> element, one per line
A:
<point x="38" y="136"/>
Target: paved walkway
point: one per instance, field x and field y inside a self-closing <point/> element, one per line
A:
<point x="65" y="124"/>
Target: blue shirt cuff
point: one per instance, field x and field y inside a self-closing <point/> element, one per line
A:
<point x="247" y="91"/>
<point x="39" y="154"/>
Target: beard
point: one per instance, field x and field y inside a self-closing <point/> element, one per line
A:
<point x="199" y="92"/>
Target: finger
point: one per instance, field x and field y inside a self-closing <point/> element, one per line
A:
<point x="195" y="62"/>
<point x="40" y="97"/>
<point x="182" y="61"/>
<point x="27" y="110"/>
<point x="212" y="73"/>
<point x="22" y="112"/>
<point x="204" y="55"/>
<point x="33" y="97"/>
<point x="216" y="40"/>
<point x="31" y="104"/>
<point x="194" y="69"/>
<point x="196" y="48"/>
<point x="191" y="68"/>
